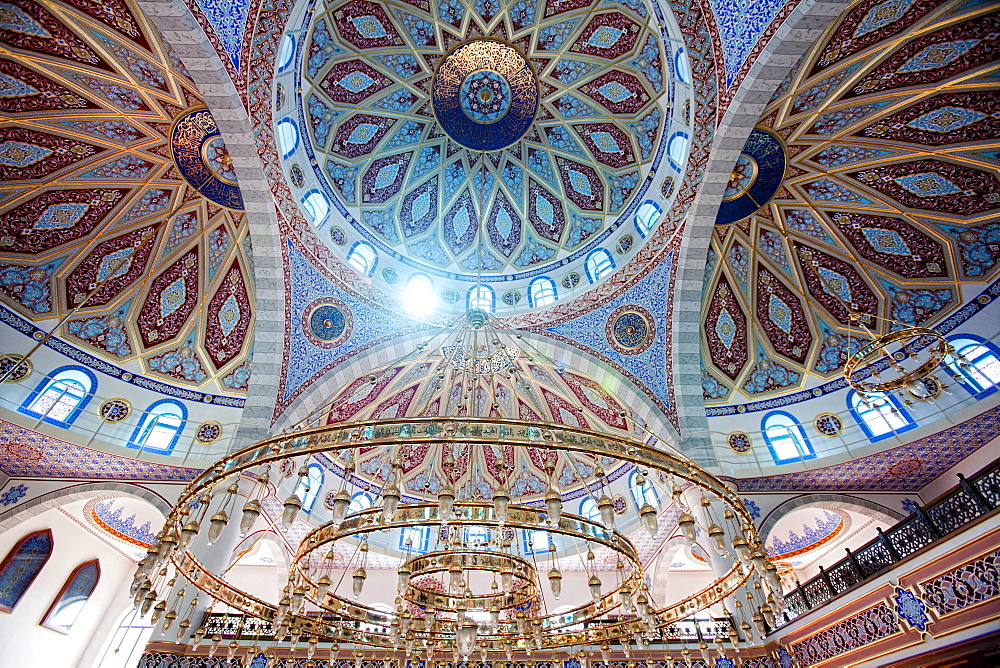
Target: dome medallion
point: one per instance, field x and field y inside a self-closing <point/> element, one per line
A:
<point x="485" y="95"/>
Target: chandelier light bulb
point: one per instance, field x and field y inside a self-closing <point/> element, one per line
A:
<point x="182" y="629"/>
<point x="686" y="523"/>
<point x="167" y="545"/>
<point x="251" y="511"/>
<point x="216" y="525"/>
<point x="553" y="507"/>
<point x="506" y="579"/>
<point x="717" y="536"/>
<point x="742" y="549"/>
<point x="454" y="577"/>
<point x="279" y="615"/>
<point x="626" y="595"/>
<point x="606" y="654"/>
<point x="358" y="581"/>
<point x="446" y="503"/>
<point x="341" y="501"/>
<point x="648" y="515"/>
<point x="607" y="509"/>
<point x="322" y="586"/>
<point x="188" y="533"/>
<point x="595" y="587"/>
<point x="147" y="603"/>
<point x="390" y="502"/>
<point x="199" y="636"/>
<point x="501" y="502"/>
<point x="292" y="506"/>
<point x="466" y="638"/>
<point x="158" y="611"/>
<point x="555" y="581"/>
<point x="403" y="577"/>
<point x="214" y="646"/>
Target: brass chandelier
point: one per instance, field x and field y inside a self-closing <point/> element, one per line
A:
<point x="495" y="551"/>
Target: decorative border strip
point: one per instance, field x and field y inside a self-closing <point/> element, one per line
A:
<point x="964" y="314"/>
<point x="18" y="323"/>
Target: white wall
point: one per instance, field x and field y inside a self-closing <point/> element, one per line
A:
<point x="26" y="643"/>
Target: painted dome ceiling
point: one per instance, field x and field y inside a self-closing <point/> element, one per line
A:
<point x="886" y="136"/>
<point x="115" y="181"/>
<point x="445" y="382"/>
<point x="538" y="122"/>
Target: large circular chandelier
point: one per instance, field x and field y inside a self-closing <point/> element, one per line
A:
<point x="468" y="567"/>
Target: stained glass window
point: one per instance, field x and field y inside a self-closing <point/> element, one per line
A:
<point x="68" y="605"/>
<point x="22" y="565"/>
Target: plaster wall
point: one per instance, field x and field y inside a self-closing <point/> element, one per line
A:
<point x="72" y="545"/>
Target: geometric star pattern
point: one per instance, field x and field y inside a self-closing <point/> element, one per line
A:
<point x="85" y="208"/>
<point x="865" y="215"/>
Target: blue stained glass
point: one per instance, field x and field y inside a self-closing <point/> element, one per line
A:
<point x="65" y="610"/>
<point x="21" y="567"/>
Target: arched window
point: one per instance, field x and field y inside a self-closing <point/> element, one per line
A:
<point x="542" y="292"/>
<point x="419" y="297"/>
<point x="681" y="63"/>
<point x="160" y="427"/>
<point x="288" y="137"/>
<point x="598" y="265"/>
<point x="362" y="257"/>
<point x="647" y="217"/>
<point x="22" y="564"/>
<point x="677" y="149"/>
<point x="534" y="541"/>
<point x="61" y="397"/>
<point x="286" y="53"/>
<point x="645" y="493"/>
<point x="880" y="415"/>
<point x="360" y="501"/>
<point x="316" y="206"/>
<point x="414" y="539"/>
<point x="785" y="438"/>
<point x="131" y="631"/>
<point x="65" y="610"/>
<point x="977" y="367"/>
<point x="482" y="297"/>
<point x="588" y="509"/>
<point x="309" y="487"/>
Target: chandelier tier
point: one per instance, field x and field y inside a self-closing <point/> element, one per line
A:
<point x="473" y="565"/>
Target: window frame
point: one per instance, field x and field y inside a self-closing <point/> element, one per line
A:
<point x="533" y="297"/>
<point x="597" y="269"/>
<point x="641" y="496"/>
<point x="424" y="543"/>
<point x="284" y="62"/>
<point x="309" y="504"/>
<point x="287" y="152"/>
<point x="12" y="554"/>
<point x="307" y="206"/>
<point x="853" y="400"/>
<point x="962" y="377"/>
<point x="645" y="230"/>
<point x="528" y="535"/>
<point x="480" y="296"/>
<point x="354" y="252"/>
<point x="47" y="619"/>
<point x="148" y="413"/>
<point x="593" y="515"/>
<point x="52" y="378"/>
<point x="802" y="439"/>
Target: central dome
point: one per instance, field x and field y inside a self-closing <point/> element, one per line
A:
<point x="485" y="95"/>
<point x="491" y="156"/>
